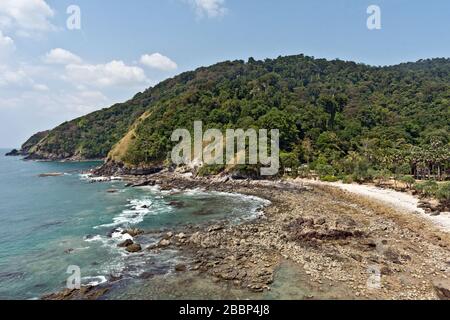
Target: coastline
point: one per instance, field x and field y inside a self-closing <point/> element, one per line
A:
<point x="335" y="238"/>
<point x="401" y="201"/>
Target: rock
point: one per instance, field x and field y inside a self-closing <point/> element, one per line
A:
<point x="132" y="248"/>
<point x="51" y="174"/>
<point x="256" y="287"/>
<point x="112" y="191"/>
<point x="442" y="288"/>
<point x="168" y="235"/>
<point x="164" y="243"/>
<point x="13" y="153"/>
<point x="180" y="267"/>
<point x="392" y="255"/>
<point x="215" y="228"/>
<point x="181" y="236"/>
<point x="435" y="213"/>
<point x="177" y="204"/>
<point x="126" y="243"/>
<point x="84" y="293"/>
<point x="320" y="221"/>
<point x="133" y="232"/>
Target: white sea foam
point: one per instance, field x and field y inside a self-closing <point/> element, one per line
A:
<point x="85" y="176"/>
<point x="94" y="281"/>
<point x="138" y="209"/>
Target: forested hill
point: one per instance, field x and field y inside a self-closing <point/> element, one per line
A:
<point x="330" y="113"/>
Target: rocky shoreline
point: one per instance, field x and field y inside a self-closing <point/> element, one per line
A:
<point x="340" y="241"/>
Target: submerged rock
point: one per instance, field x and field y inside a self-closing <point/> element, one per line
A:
<point x="51" y="174"/>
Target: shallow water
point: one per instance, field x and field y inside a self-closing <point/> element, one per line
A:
<point x="48" y="224"/>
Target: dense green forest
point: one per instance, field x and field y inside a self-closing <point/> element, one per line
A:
<point x="338" y="118"/>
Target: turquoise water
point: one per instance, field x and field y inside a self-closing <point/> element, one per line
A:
<point x="48" y="224"/>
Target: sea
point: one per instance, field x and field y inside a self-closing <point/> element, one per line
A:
<point x="53" y="225"/>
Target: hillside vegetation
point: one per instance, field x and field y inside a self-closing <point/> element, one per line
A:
<point x="335" y="117"/>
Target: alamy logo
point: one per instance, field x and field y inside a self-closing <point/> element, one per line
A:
<point x="73" y="22"/>
<point x="212" y="148"/>
<point x="374" y="20"/>
<point x="74" y="280"/>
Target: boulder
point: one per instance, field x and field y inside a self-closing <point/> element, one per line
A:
<point x="126" y="243"/>
<point x="135" y="247"/>
<point x="133" y="232"/>
<point x="164" y="243"/>
<point x="181" y="236"/>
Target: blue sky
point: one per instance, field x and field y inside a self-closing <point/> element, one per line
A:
<point x="49" y="74"/>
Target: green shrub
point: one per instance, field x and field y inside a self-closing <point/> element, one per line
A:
<point x="329" y="178"/>
<point x="325" y="170"/>
<point x="408" y="180"/>
<point x="347" y="179"/>
<point x="428" y="188"/>
<point x="443" y="193"/>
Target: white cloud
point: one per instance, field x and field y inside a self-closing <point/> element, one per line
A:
<point x="40" y="87"/>
<point x="6" y="43"/>
<point x="71" y="104"/>
<point x="158" y="61"/>
<point x="7" y="46"/>
<point x="209" y="8"/>
<point x="11" y="77"/>
<point x="26" y="16"/>
<point x="105" y="75"/>
<point x="61" y="56"/>
<point x="19" y="78"/>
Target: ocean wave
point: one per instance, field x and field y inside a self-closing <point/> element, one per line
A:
<point x="93" y="281"/>
<point x="138" y="209"/>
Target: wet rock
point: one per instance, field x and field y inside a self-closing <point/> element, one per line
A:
<point x="177" y="204"/>
<point x="168" y="236"/>
<point x="126" y="243"/>
<point x="146" y="275"/>
<point x="215" y="228"/>
<point x="181" y="236"/>
<point x="133" y="248"/>
<point x="257" y="287"/>
<point x="112" y="191"/>
<point x="84" y="293"/>
<point x="51" y="174"/>
<point x="133" y="232"/>
<point x="180" y="268"/>
<point x="164" y="243"/>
